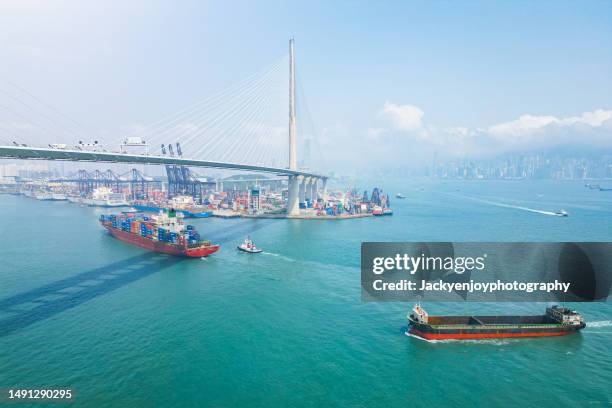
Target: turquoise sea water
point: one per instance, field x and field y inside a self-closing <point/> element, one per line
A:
<point x="125" y="327"/>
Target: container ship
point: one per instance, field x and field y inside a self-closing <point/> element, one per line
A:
<point x="557" y="321"/>
<point x="165" y="233"/>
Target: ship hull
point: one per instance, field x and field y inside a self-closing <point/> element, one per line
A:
<point x="43" y="198"/>
<point x="204" y="214"/>
<point x="250" y="251"/>
<point x="491" y="335"/>
<point x="161" y="247"/>
<point x="106" y="204"/>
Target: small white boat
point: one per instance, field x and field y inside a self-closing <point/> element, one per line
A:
<point x="74" y="199"/>
<point x="44" y="196"/>
<point x="249" y="246"/>
<point x="400" y="196"/>
<point x="561" y="213"/>
<point x="130" y="210"/>
<point x="58" y="197"/>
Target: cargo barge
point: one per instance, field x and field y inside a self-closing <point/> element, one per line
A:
<point x="557" y="321"/>
<point x="165" y="233"/>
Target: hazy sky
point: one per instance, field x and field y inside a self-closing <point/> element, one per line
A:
<point x="383" y="79"/>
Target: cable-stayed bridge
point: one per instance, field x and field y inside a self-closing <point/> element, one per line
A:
<point x="243" y="127"/>
<point x="47" y="153"/>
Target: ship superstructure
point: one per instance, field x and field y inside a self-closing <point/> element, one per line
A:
<point x="105" y="197"/>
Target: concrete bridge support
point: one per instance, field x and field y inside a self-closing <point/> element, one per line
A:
<point x="313" y="190"/>
<point x="324" y="189"/>
<point x="303" y="187"/>
<point x="293" y="203"/>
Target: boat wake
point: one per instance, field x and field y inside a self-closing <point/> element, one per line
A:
<point x="493" y="342"/>
<point x="602" y="323"/>
<point x="515" y="207"/>
<point x="283" y="257"/>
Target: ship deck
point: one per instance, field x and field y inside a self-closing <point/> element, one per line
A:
<point x="494" y="326"/>
<point x="490" y="322"/>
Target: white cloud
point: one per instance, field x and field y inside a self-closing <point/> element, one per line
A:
<point x="532" y="132"/>
<point x="525" y="124"/>
<point x="399" y="136"/>
<point x="406" y="133"/>
<point x="529" y="125"/>
<point x="403" y="117"/>
<point x="595" y="119"/>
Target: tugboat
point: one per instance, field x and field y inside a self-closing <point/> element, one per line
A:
<point x="557" y="321"/>
<point x="561" y="213"/>
<point x="249" y="247"/>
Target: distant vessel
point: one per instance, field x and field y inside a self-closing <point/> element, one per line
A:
<point x="155" y="208"/>
<point x="58" y="197"/>
<point x="557" y="321"/>
<point x="380" y="211"/>
<point x="223" y="213"/>
<point x="165" y="233"/>
<point x="43" y="196"/>
<point x="249" y="246"/>
<point x="400" y="196"/>
<point x="105" y="197"/>
<point x="183" y="204"/>
<point x="561" y="213"/>
<point x="75" y="199"/>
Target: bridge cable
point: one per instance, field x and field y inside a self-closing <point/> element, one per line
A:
<point x="218" y="140"/>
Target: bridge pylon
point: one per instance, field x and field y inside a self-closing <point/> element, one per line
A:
<point x="294" y="182"/>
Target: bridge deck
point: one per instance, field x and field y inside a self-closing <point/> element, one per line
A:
<point x="43" y="153"/>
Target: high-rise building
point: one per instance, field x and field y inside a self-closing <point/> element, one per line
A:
<point x="255" y="200"/>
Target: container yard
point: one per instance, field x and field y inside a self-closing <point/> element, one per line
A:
<point x="259" y="199"/>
